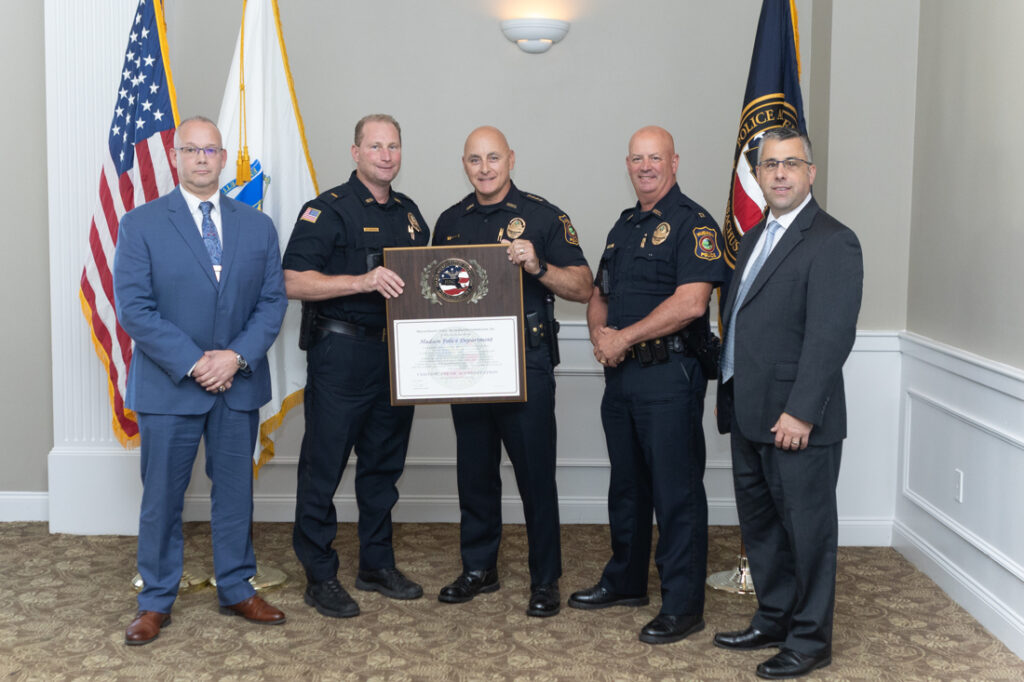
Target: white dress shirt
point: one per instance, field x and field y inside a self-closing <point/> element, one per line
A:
<point x="784" y="221"/>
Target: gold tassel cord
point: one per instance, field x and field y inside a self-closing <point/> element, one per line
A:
<point x="242" y="168"/>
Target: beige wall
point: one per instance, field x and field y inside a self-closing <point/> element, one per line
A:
<point x="967" y="232"/>
<point x="871" y="144"/>
<point x="443" y="68"/>
<point x="25" y="419"/>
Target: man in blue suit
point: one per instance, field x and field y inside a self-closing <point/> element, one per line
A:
<point x="199" y="288"/>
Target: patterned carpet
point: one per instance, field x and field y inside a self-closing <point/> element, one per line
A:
<point x="65" y="601"/>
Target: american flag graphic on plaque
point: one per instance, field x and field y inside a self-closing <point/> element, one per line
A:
<point x="453" y="280"/>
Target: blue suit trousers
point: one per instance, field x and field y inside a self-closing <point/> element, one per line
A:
<point x="169" y="446"/>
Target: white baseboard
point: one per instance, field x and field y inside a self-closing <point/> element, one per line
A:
<point x="989" y="609"/>
<point x="29" y="506"/>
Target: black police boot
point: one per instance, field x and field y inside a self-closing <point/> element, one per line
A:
<point x="468" y="585"/>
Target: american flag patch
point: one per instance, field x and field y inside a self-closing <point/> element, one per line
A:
<point x="310" y="215"/>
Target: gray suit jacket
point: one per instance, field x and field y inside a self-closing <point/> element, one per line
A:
<point x="795" y="330"/>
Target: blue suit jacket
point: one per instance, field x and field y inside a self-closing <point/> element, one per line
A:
<point x="170" y="303"/>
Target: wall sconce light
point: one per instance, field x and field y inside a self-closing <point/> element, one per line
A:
<point x="534" y="35"/>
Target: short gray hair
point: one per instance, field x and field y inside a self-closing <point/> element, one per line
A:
<point x="192" y="119"/>
<point x="784" y="133"/>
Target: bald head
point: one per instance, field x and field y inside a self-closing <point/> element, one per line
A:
<point x="652" y="163"/>
<point x="487" y="136"/>
<point x="653" y="135"/>
<point x="488" y="162"/>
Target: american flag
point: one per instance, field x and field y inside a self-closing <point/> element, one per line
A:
<point x="136" y="169"/>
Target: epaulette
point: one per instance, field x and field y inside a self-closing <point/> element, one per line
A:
<point x="335" y="193"/>
<point x="694" y="207"/>
<point x="541" y="201"/>
<point x="401" y="199"/>
<point x="466" y="203"/>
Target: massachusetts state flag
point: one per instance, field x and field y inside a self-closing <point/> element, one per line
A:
<point x="136" y="169"/>
<point x="259" y="117"/>
<point x="772" y="100"/>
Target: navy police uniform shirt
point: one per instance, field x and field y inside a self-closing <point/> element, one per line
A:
<point x="649" y="254"/>
<point x="344" y="231"/>
<point x="519" y="215"/>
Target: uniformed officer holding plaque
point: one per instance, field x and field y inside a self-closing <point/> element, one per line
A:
<point x="334" y="259"/>
<point x="542" y="240"/>
<point x="648" y="319"/>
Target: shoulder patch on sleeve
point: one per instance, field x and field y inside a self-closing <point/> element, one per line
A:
<point x="310" y="214"/>
<point x="570" y="232"/>
<point x="706" y="243"/>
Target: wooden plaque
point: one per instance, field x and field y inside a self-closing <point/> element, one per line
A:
<point x="455" y="335"/>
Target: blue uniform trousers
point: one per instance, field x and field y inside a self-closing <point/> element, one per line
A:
<point x="652" y="419"/>
<point x="169" y="444"/>
<point x="528" y="433"/>
<point x="347" y="404"/>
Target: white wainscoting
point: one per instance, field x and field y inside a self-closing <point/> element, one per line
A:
<point x="96" y="490"/>
<point x="962" y="412"/>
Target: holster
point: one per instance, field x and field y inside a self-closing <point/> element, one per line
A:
<point x="702" y="344"/>
<point x="307" y="327"/>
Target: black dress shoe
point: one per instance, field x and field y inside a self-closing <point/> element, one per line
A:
<point x="600" y="597"/>
<point x="390" y="582"/>
<point x="748" y="639"/>
<point x="788" y="663"/>
<point x="468" y="585"/>
<point x="666" y="628"/>
<point x="544" y="601"/>
<point x="330" y="599"/>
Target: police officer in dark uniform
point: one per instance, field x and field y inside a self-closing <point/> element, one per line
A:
<point x="542" y="240"/>
<point x="333" y="261"/>
<point x="648" y="319"/>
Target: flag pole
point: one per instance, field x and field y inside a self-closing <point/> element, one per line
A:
<point x="772" y="100"/>
<point x="736" y="581"/>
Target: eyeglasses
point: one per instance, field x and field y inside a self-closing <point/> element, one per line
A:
<point x="208" y="152"/>
<point x="791" y="163"/>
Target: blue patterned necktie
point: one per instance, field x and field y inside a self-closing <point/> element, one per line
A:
<point x="729" y="350"/>
<point x="210" y="237"/>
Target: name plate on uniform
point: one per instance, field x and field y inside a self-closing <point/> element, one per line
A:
<point x="455" y="335"/>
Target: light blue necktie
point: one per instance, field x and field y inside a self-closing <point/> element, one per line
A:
<point x="210" y="237"/>
<point x="728" y="352"/>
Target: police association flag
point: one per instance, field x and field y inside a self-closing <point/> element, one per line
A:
<point x="136" y="169"/>
<point x="772" y="100"/>
<point x="262" y="130"/>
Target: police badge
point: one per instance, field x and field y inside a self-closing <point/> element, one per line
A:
<point x="515" y="228"/>
<point x="660" y="233"/>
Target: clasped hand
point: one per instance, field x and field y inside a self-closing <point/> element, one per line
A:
<point x="610" y="346"/>
<point x="216" y="370"/>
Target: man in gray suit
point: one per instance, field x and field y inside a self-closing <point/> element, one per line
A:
<point x="791" y="320"/>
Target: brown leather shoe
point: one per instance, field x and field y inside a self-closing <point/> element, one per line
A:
<point x="146" y="627"/>
<point x="256" y="610"/>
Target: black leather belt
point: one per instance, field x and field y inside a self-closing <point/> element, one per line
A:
<point x="332" y="326"/>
